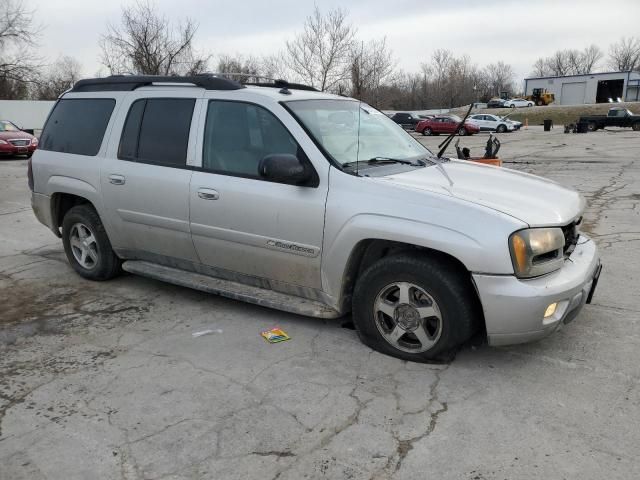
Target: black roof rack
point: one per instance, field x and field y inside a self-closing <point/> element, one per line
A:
<point x="283" y="84"/>
<point x="131" y="82"/>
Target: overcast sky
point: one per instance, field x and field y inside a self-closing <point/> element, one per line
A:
<point x="516" y="32"/>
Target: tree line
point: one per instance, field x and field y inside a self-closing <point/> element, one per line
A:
<point x="326" y="54"/>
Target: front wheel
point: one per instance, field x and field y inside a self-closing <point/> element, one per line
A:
<point x="87" y="246"/>
<point x="539" y="103"/>
<point x="417" y="308"/>
<point x="501" y="129"/>
<point x="427" y="132"/>
<point x="636" y="127"/>
<point x="592" y="127"/>
<point x="462" y="131"/>
<point x="512" y="106"/>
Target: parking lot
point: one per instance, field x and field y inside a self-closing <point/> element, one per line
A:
<point x="106" y="380"/>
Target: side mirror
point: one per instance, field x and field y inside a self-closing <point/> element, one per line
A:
<point x="284" y="168"/>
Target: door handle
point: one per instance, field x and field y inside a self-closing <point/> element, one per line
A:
<point x="116" y="179"/>
<point x="208" y="194"/>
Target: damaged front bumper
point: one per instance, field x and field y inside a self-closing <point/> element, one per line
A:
<point x="514" y="309"/>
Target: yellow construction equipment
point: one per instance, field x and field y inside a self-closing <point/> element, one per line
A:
<point x="540" y="97"/>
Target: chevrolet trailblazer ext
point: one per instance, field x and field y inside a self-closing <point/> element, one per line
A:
<point x="276" y="194"/>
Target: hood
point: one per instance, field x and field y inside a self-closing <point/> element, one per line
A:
<point x="12" y="135"/>
<point x="534" y="200"/>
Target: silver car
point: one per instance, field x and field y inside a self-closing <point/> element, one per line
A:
<point x="311" y="203"/>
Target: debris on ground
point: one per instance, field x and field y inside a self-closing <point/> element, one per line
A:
<point x="275" y="335"/>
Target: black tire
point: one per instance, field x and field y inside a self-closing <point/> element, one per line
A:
<point x="501" y="128"/>
<point x="636" y="127"/>
<point x="592" y="127"/>
<point x="29" y="155"/>
<point x="447" y="284"/>
<point x="539" y="103"/>
<point x="512" y="106"/>
<point x="427" y="132"/>
<point x="107" y="264"/>
<point x="462" y="131"/>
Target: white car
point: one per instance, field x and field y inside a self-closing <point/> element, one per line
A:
<point x="518" y="102"/>
<point x="492" y="123"/>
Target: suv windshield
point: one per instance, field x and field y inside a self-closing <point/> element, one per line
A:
<point x="351" y="131"/>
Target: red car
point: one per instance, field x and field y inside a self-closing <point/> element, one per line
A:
<point x="14" y="141"/>
<point x="446" y="124"/>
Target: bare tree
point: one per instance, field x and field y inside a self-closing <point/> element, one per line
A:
<point x="59" y="77"/>
<point x="499" y="77"/>
<point x="591" y="55"/>
<point x="319" y="55"/>
<point x="240" y="68"/>
<point x="625" y="54"/>
<point x="540" y="68"/>
<point x="18" y="63"/>
<point x="147" y="43"/>
<point x="371" y="65"/>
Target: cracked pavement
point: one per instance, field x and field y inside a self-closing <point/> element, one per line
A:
<point x="104" y="380"/>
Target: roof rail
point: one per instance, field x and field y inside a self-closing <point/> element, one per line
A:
<point x="271" y="82"/>
<point x="283" y="84"/>
<point x="132" y="82"/>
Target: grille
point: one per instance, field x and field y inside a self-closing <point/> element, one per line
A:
<point x="20" y="143"/>
<point x="571" y="234"/>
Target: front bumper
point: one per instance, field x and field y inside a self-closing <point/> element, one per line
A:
<point x="10" y="149"/>
<point x="514" y="309"/>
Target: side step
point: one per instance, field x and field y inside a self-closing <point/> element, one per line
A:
<point x="235" y="290"/>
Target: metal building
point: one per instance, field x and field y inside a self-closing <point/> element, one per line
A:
<point x="590" y="88"/>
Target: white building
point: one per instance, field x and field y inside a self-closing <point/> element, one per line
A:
<point x="590" y="88"/>
<point x="26" y="114"/>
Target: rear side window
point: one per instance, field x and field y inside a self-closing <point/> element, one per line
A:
<point x="157" y="131"/>
<point x="77" y="125"/>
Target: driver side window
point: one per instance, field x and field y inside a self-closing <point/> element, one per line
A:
<point x="238" y="135"/>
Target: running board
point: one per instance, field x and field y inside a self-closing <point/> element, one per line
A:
<point x="235" y="290"/>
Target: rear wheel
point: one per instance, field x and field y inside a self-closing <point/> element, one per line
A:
<point x="512" y="105"/>
<point x="427" y="132"/>
<point x="501" y="128"/>
<point x="414" y="308"/>
<point x="539" y="103"/>
<point x="87" y="246"/>
<point x="592" y="127"/>
<point x="636" y="126"/>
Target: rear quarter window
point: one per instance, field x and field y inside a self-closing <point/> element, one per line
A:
<point x="77" y="125"/>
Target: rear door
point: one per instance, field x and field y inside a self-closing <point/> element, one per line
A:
<point x="242" y="223"/>
<point x="145" y="177"/>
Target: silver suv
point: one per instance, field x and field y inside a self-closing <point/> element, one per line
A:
<point x="280" y="195"/>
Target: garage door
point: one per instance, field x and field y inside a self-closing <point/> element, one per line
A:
<point x="573" y="93"/>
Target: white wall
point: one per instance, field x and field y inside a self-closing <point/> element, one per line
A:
<point x="29" y="114"/>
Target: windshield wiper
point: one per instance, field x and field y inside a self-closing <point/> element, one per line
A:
<point x="447" y="140"/>
<point x="383" y="160"/>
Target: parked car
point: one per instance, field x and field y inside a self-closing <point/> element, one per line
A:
<point x="310" y="203"/>
<point x="517" y="102"/>
<point x="495" y="103"/>
<point x="446" y="124"/>
<point x="13" y="141"/>
<point x="492" y="123"/>
<point x="407" y="120"/>
<point x="615" y="117"/>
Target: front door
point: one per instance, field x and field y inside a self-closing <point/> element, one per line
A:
<point x="145" y="179"/>
<point x="242" y="223"/>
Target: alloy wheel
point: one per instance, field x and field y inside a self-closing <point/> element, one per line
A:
<point x="407" y="317"/>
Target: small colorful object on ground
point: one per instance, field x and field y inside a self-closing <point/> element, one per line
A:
<point x="275" y="335"/>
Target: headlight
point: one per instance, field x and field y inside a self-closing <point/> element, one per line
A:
<point x="34" y="141"/>
<point x="536" y="251"/>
